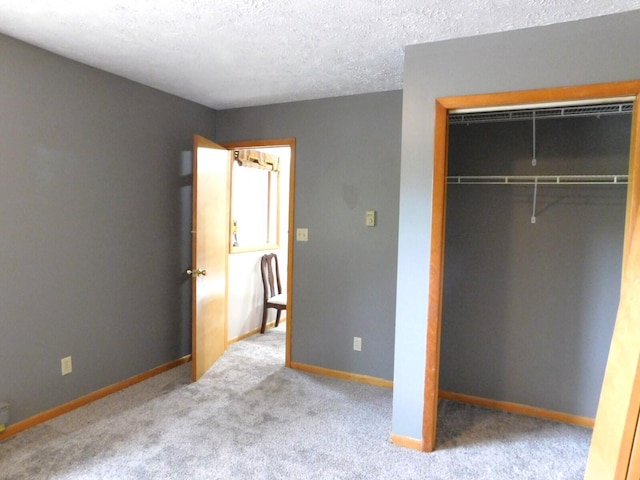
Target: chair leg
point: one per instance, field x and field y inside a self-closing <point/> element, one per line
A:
<point x="264" y="319"/>
<point x="278" y="317"/>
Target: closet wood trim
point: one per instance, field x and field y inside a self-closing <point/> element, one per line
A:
<point x="544" y="95"/>
<point x="615" y="424"/>
<point x="436" y="278"/>
<point x="518" y="408"/>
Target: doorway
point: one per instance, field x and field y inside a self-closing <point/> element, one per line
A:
<point x="211" y="247"/>
<point x="443" y="106"/>
<point x="245" y="299"/>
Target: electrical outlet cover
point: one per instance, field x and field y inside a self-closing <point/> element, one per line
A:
<point x="370" y="218"/>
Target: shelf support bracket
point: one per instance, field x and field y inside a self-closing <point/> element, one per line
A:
<point x="535" y="199"/>
<point x="534" y="162"/>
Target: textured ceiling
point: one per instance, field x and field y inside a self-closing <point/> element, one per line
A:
<point x="232" y="53"/>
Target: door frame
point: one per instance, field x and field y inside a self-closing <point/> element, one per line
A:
<point x="273" y="143"/>
<point x="615" y="429"/>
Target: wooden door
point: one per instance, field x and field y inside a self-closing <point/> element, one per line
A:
<point x="210" y="247"/>
<point x="613" y="453"/>
<point x="634" y="462"/>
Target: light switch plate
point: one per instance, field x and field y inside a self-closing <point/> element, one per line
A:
<point x="66" y="366"/>
<point x="302" y="234"/>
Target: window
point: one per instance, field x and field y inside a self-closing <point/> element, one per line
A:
<point x="255" y="212"/>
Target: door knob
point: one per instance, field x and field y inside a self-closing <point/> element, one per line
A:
<point x="196" y="273"/>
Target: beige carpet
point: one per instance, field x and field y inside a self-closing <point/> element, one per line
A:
<point x="251" y="418"/>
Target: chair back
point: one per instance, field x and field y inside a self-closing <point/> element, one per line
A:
<point x="270" y="275"/>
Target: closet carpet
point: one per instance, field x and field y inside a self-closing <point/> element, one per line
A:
<point x="251" y="418"/>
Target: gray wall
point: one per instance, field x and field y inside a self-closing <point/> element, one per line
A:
<point x="529" y="309"/>
<point x="95" y="223"/>
<point x="347" y="162"/>
<point x="589" y="51"/>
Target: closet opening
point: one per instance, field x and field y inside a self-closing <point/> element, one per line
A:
<point x="535" y="210"/>
<point x="526" y="270"/>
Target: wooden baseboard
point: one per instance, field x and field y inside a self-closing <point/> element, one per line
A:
<point x="253" y="332"/>
<point x="406" y="442"/>
<point x="86" y="399"/>
<point x="353" y="377"/>
<point x="519" y="408"/>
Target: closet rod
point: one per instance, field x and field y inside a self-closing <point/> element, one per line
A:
<point x="538" y="179"/>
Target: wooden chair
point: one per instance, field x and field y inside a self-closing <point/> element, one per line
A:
<point x="270" y="279"/>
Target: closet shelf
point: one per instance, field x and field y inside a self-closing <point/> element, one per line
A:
<point x="539" y="113"/>
<point x="538" y="179"/>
